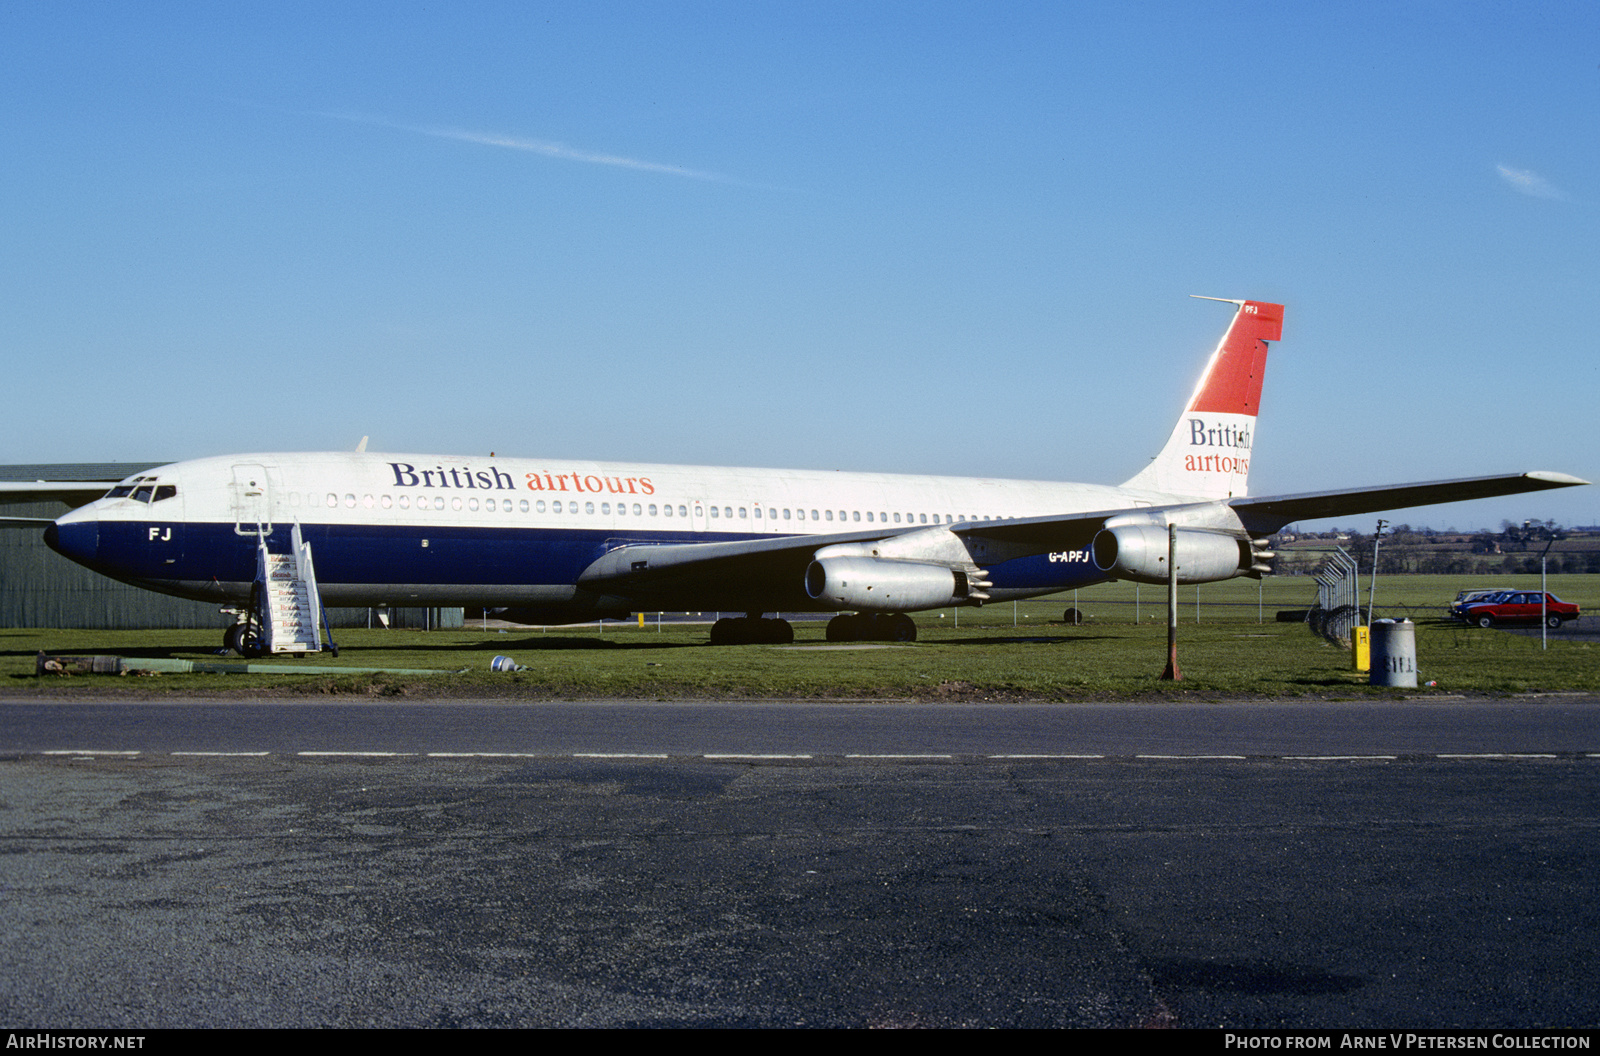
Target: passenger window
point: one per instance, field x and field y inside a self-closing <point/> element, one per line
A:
<point x="636" y="509"/>
<point x="588" y="507"/>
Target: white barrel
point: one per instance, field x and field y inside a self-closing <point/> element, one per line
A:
<point x="1394" y="653"/>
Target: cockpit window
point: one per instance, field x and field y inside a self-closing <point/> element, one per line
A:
<point x="125" y="489"/>
<point x="142" y="493"/>
<point x="165" y="491"/>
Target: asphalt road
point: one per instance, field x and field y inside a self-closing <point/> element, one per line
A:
<point x="1446" y="878"/>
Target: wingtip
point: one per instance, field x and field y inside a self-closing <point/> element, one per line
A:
<point x="1554" y="479"/>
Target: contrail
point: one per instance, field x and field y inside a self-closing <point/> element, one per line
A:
<point x="1529" y="182"/>
<point x="539" y="146"/>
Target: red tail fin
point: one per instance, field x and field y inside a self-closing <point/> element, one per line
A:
<point x="1232" y="382"/>
<point x="1208" y="453"/>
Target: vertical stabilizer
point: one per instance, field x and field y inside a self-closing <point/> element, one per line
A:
<point x="1208" y="454"/>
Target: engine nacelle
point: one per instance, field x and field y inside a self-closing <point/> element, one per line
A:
<point x="870" y="584"/>
<point x="1139" y="552"/>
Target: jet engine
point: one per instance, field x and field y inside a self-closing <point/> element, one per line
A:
<point x="1139" y="552"/>
<point x="870" y="584"/>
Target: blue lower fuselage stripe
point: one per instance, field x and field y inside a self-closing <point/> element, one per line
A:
<point x="368" y="555"/>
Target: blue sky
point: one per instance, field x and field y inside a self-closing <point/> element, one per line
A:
<point x="930" y="238"/>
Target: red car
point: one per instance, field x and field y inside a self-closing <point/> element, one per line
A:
<point x="1520" y="606"/>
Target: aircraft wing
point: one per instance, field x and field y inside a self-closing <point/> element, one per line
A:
<point x="1269" y="513"/>
<point x="73" y="493"/>
<point x="755" y="564"/>
<point x="779" y="562"/>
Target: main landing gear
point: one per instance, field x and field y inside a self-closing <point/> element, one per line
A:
<point x="872" y="627"/>
<point x="751" y="629"/>
<point x="244" y="639"/>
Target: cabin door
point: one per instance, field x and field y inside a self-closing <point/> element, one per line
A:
<point x="251" y="496"/>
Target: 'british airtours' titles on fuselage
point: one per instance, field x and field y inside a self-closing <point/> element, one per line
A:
<point x="1217" y="435"/>
<point x="407" y="475"/>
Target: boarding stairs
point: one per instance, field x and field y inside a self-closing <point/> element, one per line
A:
<point x="284" y="598"/>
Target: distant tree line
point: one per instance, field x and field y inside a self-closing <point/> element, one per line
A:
<point x="1514" y="549"/>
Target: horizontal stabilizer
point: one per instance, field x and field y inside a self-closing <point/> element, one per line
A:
<point x="1269" y="513"/>
<point x="73" y="493"/>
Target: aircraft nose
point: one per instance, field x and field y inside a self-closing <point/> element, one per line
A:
<point x="76" y="540"/>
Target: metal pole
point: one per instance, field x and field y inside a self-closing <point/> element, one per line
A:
<point x="1544" y="600"/>
<point x="1372" y="591"/>
<point x="1171" y="673"/>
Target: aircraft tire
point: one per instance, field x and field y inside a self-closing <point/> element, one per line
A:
<point x="230" y="638"/>
<point x="844" y="629"/>
<point x="250" y="645"/>
<point x="902" y="628"/>
<point x="1072" y="616"/>
<point x="723" y="632"/>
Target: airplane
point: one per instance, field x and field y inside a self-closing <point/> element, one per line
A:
<point x="552" y="541"/>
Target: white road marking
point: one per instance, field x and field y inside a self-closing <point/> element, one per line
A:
<point x="85" y="751"/>
<point x="374" y="755"/>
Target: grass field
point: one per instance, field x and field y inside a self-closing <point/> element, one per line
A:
<point x="1230" y="645"/>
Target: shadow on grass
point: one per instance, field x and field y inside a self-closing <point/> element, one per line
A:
<point x="1022" y="640"/>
